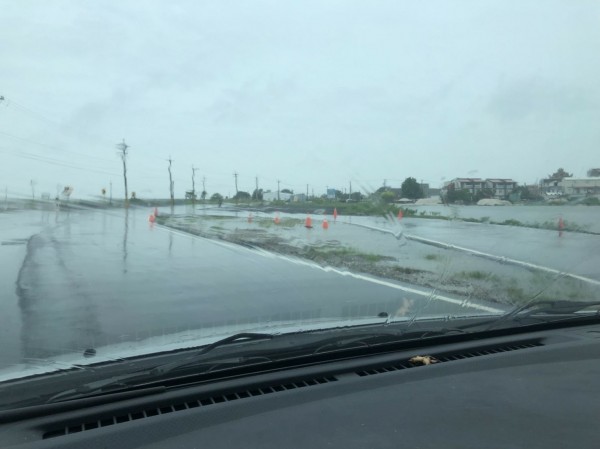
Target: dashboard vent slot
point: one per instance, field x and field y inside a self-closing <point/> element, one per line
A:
<point x="452" y="356"/>
<point x="201" y="401"/>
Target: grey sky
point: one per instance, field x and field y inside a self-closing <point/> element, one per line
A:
<point x="309" y="92"/>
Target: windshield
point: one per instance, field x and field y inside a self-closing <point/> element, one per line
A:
<point x="178" y="173"/>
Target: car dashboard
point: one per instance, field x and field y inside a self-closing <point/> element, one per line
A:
<point x="531" y="390"/>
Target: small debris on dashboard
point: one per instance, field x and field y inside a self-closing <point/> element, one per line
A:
<point x="421" y="360"/>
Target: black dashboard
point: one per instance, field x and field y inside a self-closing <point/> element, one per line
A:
<point x="532" y="390"/>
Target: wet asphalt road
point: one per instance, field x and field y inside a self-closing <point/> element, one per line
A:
<point x="77" y="280"/>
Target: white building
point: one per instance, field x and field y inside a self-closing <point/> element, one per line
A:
<point x="580" y="186"/>
<point x="501" y="187"/>
<point x="274" y="196"/>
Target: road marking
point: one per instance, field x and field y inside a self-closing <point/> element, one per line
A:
<point x="501" y="259"/>
<point x="328" y="269"/>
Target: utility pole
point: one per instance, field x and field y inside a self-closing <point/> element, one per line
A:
<point x="278" y="182"/>
<point x="307" y="191"/>
<point x="32" y="182"/>
<point x="110" y="200"/>
<point x="194" y="184"/>
<point x="171" y="185"/>
<point x="203" y="188"/>
<point x="123" y="149"/>
<point x="235" y="175"/>
<point x="350" y="191"/>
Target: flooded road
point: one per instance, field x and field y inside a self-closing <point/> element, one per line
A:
<point x="92" y="279"/>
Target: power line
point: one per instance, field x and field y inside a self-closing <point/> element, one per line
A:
<point x="52" y="147"/>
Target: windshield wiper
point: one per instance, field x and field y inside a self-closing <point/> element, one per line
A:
<point x="242" y="337"/>
<point x="120" y="383"/>
<point x="558" y="307"/>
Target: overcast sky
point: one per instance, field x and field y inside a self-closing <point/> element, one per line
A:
<point x="308" y="92"/>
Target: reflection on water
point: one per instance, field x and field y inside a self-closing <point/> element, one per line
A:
<point x="125" y="235"/>
<point x="50" y="283"/>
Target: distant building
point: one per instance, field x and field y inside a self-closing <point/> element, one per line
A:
<point x="580" y="186"/>
<point x="501" y="187"/>
<point x="473" y="185"/>
<point x="331" y="194"/>
<point x="299" y="198"/>
<point x="274" y="196"/>
<point x="551" y="187"/>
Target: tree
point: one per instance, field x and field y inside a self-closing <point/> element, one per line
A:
<point x="241" y="195"/>
<point x="291" y="192"/>
<point x="257" y="194"/>
<point x="463" y="196"/>
<point x="411" y="189"/>
<point x="216" y="197"/>
<point x="593" y="172"/>
<point x="483" y="193"/>
<point x="356" y="196"/>
<point x="560" y="174"/>
<point x="388" y="197"/>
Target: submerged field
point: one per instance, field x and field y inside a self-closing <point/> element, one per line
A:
<point x="383" y="255"/>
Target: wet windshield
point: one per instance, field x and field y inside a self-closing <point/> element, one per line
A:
<point x="177" y="173"/>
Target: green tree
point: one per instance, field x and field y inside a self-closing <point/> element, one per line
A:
<point x="593" y="172"/>
<point x="216" y="197"/>
<point x="388" y="197"/>
<point x="560" y="174"/>
<point x="411" y="189"/>
<point x="257" y="194"/>
<point x="463" y="196"/>
<point x="483" y="193"/>
<point x="241" y="195"/>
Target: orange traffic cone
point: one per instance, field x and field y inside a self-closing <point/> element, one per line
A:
<point x="308" y="222"/>
<point x="276" y="219"/>
<point x="151" y="218"/>
<point x="250" y="217"/>
<point x="561" y="226"/>
<point x="400" y="215"/>
<point x="325" y="224"/>
<point x="335" y="214"/>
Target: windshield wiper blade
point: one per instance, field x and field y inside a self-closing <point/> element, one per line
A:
<point x="242" y="337"/>
<point x="558" y="307"/>
<point x="124" y="383"/>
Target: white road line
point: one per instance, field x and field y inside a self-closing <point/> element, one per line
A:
<point x="501" y="259"/>
<point x="362" y="277"/>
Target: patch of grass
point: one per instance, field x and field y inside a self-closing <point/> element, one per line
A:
<point x="407" y="270"/>
<point x="476" y="275"/>
<point x="285" y="222"/>
<point x="329" y="253"/>
<point x="432" y="257"/>
<point x="592" y="201"/>
<point x="516" y="294"/>
<point x="511" y="222"/>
